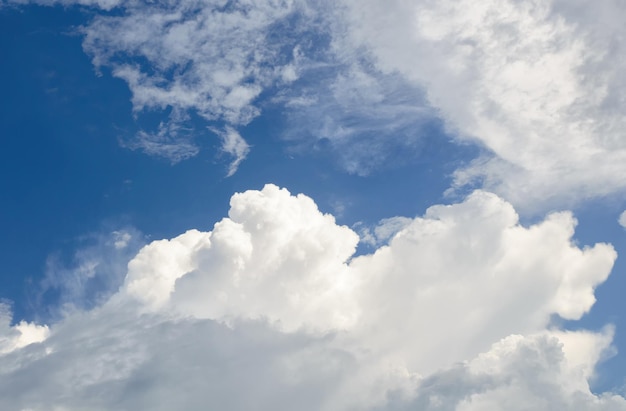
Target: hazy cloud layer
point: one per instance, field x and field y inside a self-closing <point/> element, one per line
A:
<point x="103" y="4"/>
<point x="89" y="276"/>
<point x="271" y="310"/>
<point x="536" y="82"/>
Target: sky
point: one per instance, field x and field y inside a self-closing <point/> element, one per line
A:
<point x="294" y="204"/>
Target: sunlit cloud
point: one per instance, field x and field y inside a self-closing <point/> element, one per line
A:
<point x="274" y="295"/>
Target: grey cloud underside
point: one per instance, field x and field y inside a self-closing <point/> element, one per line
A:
<point x="153" y="363"/>
<point x="271" y="310"/>
<point x="528" y="380"/>
<point x="157" y="364"/>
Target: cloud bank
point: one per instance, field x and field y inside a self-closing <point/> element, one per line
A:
<point x="271" y="309"/>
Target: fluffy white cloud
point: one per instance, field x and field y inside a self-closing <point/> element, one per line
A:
<point x="13" y="337"/>
<point x="536" y="82"/>
<point x="276" y="257"/>
<point x="520" y="373"/>
<point x="454" y="313"/>
<point x="480" y="274"/>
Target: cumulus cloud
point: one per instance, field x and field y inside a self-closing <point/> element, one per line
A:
<point x="477" y="268"/>
<point x="289" y="270"/>
<point x="519" y="373"/>
<point x="454" y="313"/>
<point x="537" y="83"/>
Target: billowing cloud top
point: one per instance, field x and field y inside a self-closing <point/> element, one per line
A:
<point x="272" y="310"/>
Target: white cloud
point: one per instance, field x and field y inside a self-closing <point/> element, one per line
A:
<point x="121" y="239"/>
<point x="103" y="4"/>
<point x="275" y="257"/>
<point x="234" y="145"/>
<point x="454" y="313"/>
<point x="536" y="82"/>
<point x="13" y="337"/>
<point x="622" y="219"/>
<point x="519" y="373"/>
<point x="474" y="266"/>
<point x="212" y="58"/>
<point x="363" y="118"/>
<point x="171" y="141"/>
<point x="217" y="58"/>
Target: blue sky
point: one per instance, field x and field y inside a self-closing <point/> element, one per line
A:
<point x="124" y="124"/>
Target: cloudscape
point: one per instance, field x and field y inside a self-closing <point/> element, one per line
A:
<point x="312" y="205"/>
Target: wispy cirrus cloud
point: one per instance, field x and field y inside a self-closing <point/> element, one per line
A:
<point x="172" y="140"/>
<point x="362" y="117"/>
<point x="536" y="84"/>
<point x="210" y="58"/>
<point x="225" y="61"/>
<point x="235" y="145"/>
<point x="102" y="4"/>
<point x="89" y="276"/>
